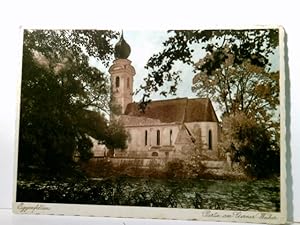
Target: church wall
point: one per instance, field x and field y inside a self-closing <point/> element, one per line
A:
<point x="136" y="139"/>
<point x="168" y="134"/>
<point x="203" y="129"/>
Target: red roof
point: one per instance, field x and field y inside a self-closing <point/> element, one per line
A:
<point x="176" y="110"/>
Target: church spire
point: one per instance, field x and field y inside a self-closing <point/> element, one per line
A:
<point x="122" y="48"/>
<point x="122" y="73"/>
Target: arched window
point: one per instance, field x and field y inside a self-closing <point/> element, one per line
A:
<point x="154" y="154"/>
<point x="146" y="137"/>
<point x="170" y="137"/>
<point x="117" y="82"/>
<point x="209" y="140"/>
<point x="128" y="83"/>
<point x="158" y="137"/>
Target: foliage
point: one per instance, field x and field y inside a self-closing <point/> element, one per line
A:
<point x="251" y="145"/>
<point x="195" y="156"/>
<point x="258" y="195"/>
<point x="104" y="168"/>
<point x="60" y="91"/>
<point x="176" y="169"/>
<point x="106" y="192"/>
<point x="116" y="191"/>
<point x="254" y="46"/>
<point x="116" y="135"/>
<point x="243" y="87"/>
<point x="191" y="165"/>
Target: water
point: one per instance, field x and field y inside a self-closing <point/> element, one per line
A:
<point x="259" y="195"/>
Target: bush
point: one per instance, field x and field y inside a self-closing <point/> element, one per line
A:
<point x="103" y="192"/>
<point x="114" y="191"/>
<point x="176" y="169"/>
<point x="187" y="168"/>
<point x="252" y="145"/>
<point x="98" y="168"/>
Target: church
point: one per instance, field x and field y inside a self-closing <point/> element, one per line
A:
<point x="165" y="129"/>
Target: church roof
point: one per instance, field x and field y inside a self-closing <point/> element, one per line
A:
<point x="176" y="110"/>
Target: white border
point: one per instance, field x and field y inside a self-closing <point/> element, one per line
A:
<point x="141" y="15"/>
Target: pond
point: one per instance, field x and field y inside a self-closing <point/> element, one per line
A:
<point x="258" y="195"/>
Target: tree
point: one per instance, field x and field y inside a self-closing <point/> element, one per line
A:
<point x="250" y="144"/>
<point x="240" y="88"/>
<point x="195" y="156"/>
<point x="63" y="98"/>
<point x="190" y="165"/>
<point x="116" y="136"/>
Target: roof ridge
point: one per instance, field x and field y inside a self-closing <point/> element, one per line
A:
<point x="172" y="99"/>
<point x="163" y="100"/>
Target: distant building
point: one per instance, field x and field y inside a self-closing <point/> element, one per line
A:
<point x="166" y="128"/>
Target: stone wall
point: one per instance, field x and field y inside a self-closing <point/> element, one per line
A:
<point x="160" y="162"/>
<point x="147" y="166"/>
<point x="143" y="163"/>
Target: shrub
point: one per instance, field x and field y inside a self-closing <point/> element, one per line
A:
<point x="252" y="144"/>
<point x="176" y="169"/>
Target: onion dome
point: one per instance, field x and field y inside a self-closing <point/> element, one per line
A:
<point x="122" y="49"/>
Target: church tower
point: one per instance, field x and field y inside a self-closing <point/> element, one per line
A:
<point x="122" y="73"/>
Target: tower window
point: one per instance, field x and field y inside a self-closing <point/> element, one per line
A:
<point x="146" y="137"/>
<point x="209" y="140"/>
<point x="158" y="137"/>
<point x="128" y="83"/>
<point x="117" y="82"/>
<point x="170" y="137"/>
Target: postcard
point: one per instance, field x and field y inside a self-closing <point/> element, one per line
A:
<point x="165" y="124"/>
